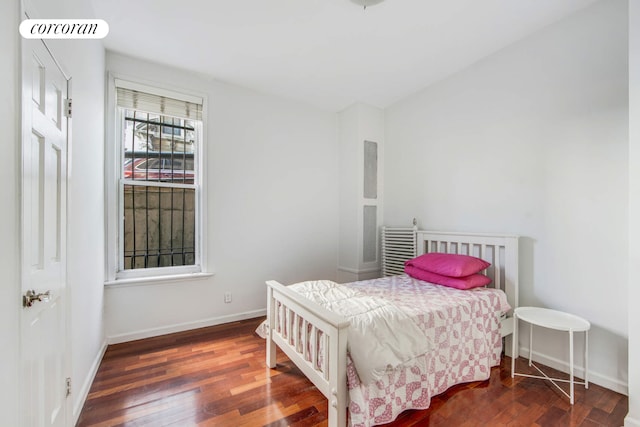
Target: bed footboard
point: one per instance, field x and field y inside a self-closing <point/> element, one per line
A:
<point x="313" y="338"/>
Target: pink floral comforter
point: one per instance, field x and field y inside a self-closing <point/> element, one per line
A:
<point x="464" y="327"/>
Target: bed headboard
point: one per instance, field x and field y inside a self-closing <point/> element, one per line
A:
<point x="500" y="251"/>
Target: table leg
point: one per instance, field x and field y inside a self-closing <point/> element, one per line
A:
<point x="586" y="359"/>
<point x="530" y="342"/>
<point x="514" y="343"/>
<point x="571" y="366"/>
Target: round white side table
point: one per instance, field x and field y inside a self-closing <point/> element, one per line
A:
<point x="559" y="321"/>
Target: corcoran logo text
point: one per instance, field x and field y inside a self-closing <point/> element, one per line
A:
<point x="64" y="28"/>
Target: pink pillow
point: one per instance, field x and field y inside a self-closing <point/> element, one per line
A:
<point x="468" y="282"/>
<point x="452" y="265"/>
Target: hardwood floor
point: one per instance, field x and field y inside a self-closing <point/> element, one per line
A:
<point x="217" y="377"/>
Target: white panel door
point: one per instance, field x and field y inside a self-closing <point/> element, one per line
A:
<point x="44" y="171"/>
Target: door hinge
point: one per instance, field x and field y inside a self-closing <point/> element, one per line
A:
<point x="67" y="107"/>
<point x="68" y="382"/>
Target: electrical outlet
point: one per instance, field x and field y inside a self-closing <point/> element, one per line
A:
<point x="227" y="297"/>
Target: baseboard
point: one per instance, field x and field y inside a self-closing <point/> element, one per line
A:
<point x="83" y="392"/>
<point x="605" y="381"/>
<point x="359" y="270"/>
<point x="180" y="327"/>
<point x="631" y="422"/>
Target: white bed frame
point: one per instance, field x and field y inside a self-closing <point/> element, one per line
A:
<point x="330" y="376"/>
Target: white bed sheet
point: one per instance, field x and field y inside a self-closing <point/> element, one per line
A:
<point x="381" y="337"/>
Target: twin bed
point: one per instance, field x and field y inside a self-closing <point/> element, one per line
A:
<point x="447" y="336"/>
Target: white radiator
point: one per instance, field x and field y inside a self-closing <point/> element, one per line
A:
<point x="398" y="245"/>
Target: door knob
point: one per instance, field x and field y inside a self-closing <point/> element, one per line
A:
<point x="31" y="296"/>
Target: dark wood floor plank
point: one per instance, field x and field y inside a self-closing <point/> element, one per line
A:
<point x="217" y="377"/>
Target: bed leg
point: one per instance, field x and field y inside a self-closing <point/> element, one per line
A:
<point x="338" y="372"/>
<point x="271" y="345"/>
<point x="337" y="413"/>
<point x="271" y="353"/>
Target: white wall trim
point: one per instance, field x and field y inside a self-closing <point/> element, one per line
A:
<point x="83" y="391"/>
<point x="631" y="422"/>
<point x="594" y="377"/>
<point x="180" y="327"/>
<point x="141" y="281"/>
<point x="360" y="270"/>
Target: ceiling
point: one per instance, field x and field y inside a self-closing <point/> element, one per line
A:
<point x="326" y="53"/>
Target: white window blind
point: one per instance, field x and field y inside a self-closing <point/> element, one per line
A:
<point x="138" y="97"/>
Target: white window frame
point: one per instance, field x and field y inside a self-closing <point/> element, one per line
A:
<point x="115" y="273"/>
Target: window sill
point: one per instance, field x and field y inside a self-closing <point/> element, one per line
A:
<point x="138" y="281"/>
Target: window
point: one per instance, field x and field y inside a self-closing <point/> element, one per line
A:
<point x="159" y="140"/>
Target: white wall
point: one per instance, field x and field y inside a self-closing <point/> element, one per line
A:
<point x="272" y="207"/>
<point x="633" y="418"/>
<point x="84" y="61"/>
<point x="533" y="141"/>
<point x="9" y="223"/>
<point x="349" y="135"/>
<point x="86" y="212"/>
